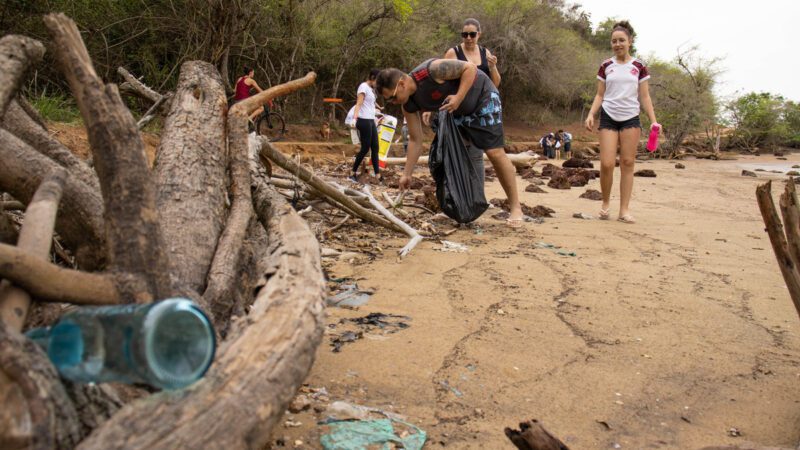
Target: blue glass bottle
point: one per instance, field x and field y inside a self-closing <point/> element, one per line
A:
<point x="169" y="344"/>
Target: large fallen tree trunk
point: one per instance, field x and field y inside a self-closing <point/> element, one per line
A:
<point x="185" y="229"/>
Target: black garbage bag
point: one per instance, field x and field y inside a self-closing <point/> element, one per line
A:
<point x="459" y="190"/>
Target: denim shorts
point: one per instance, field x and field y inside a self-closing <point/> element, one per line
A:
<point x="607" y="123"/>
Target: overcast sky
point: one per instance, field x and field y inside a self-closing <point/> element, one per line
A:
<point x="757" y="39"/>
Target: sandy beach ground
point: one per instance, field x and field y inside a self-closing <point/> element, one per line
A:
<point x="663" y="334"/>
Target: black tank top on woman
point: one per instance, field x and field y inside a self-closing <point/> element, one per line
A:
<point x="430" y="95"/>
<point x="483" y="66"/>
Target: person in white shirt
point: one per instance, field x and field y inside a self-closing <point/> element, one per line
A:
<point x="622" y="89"/>
<point x="364" y="121"/>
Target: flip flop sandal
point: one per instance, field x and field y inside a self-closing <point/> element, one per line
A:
<point x="514" y="223"/>
<point x="603" y="214"/>
<point x="627" y="218"/>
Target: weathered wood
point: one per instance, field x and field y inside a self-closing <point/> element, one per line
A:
<point x="19" y="123"/>
<point x="12" y="205"/>
<point x="190" y="173"/>
<point x="150" y="114"/>
<point x="774" y="228"/>
<point x="17" y="55"/>
<point x="412" y="233"/>
<point x="36" y="413"/>
<point x="134" y="86"/>
<point x="532" y="436"/>
<point x="35" y="238"/>
<point x="49" y="282"/>
<point x="133" y="235"/>
<point x="790" y="210"/>
<point x="227" y="258"/>
<point x="80" y="223"/>
<point x="332" y="194"/>
<point x="258" y="369"/>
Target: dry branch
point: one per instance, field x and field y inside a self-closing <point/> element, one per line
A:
<point x="35" y="238"/>
<point x="134" y="86"/>
<point x="133" y="235"/>
<point x="412" y="233"/>
<point x="190" y="172"/>
<point x="12" y="205"/>
<point x="259" y="368"/>
<point x="49" y="282"/>
<point x="80" y="223"/>
<point x="224" y="267"/>
<point x="19" y="123"/>
<point x="790" y="210"/>
<point x="331" y="194"/>
<point x="150" y="114"/>
<point x="17" y="54"/>
<point x="789" y="269"/>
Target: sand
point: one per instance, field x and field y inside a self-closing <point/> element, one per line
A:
<point x="662" y="334"/>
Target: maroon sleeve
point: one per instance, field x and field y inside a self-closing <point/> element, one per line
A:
<point x="601" y="73"/>
<point x="643" y="72"/>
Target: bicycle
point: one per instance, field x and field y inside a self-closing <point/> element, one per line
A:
<point x="270" y="124"/>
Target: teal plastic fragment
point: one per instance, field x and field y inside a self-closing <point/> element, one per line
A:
<point x="357" y="435"/>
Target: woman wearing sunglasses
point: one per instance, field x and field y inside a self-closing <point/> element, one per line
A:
<point x="469" y="50"/>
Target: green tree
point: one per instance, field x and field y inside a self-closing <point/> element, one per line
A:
<point x="758" y="120"/>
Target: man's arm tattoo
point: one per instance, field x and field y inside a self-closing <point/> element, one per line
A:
<point x="447" y="69"/>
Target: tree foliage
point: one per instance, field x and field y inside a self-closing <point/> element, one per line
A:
<point x="764" y="120"/>
<point x="548" y="53"/>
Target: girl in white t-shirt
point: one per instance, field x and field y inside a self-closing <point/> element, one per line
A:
<point x="364" y="122"/>
<point x="622" y="89"/>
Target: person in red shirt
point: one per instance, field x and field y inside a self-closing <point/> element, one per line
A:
<point x="243" y="86"/>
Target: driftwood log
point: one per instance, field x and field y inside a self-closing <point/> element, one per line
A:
<point x="785" y="237"/>
<point x="197" y="226"/>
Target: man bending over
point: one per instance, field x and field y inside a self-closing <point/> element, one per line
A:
<point x="457" y="87"/>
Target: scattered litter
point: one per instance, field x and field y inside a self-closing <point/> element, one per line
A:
<point x="580" y="215"/>
<point x="686" y="419"/>
<point x="292" y="424"/>
<point x="300" y="403"/>
<point x="452" y="389"/>
<point x="363" y="434"/>
<point x="450" y="246"/>
<point x="350" y="296"/>
<point x="734" y="432"/>
<point x="604" y="424"/>
<point x="385" y="323"/>
<point x="556" y="249"/>
<point x="747" y="173"/>
<point x="348" y="336"/>
<point x="339" y="411"/>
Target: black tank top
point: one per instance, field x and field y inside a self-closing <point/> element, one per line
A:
<point x="484" y="65"/>
<point x="430" y="95"/>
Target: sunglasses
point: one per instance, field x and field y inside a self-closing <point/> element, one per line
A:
<point x="392" y="97"/>
<point x="472" y="34"/>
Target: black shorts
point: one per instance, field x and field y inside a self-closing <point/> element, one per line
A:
<point x="484" y="128"/>
<point x="607" y="123"/>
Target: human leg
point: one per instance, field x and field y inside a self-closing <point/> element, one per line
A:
<point x="629" y="142"/>
<point x="374" y="146"/>
<point x="507" y="176"/>
<point x="364" y="130"/>
<point x="609" y="139"/>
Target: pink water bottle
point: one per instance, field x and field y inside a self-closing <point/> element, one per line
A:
<point x="652" y="142"/>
